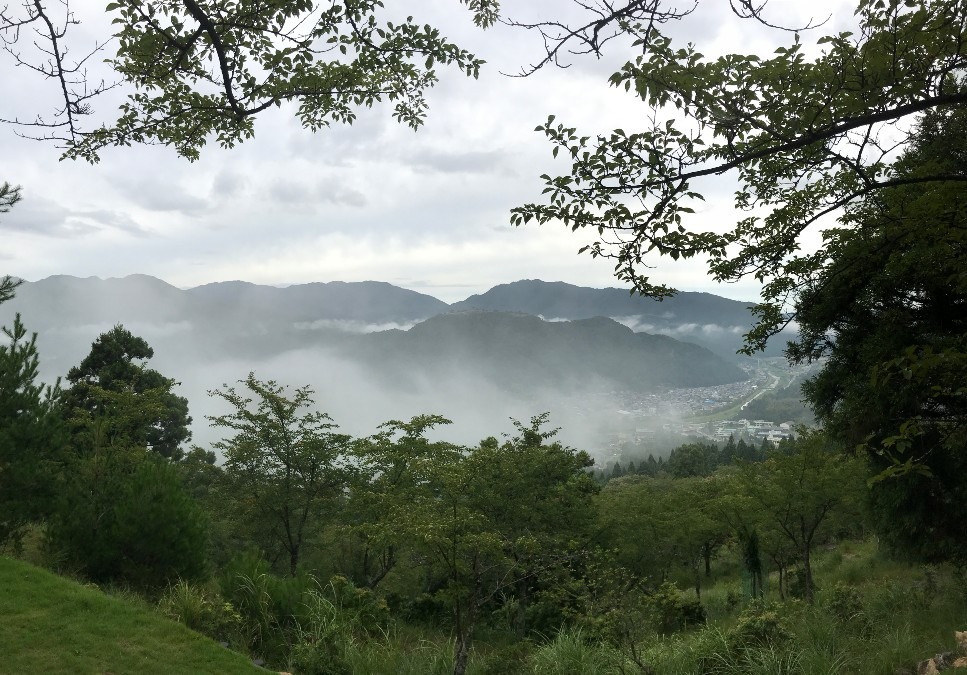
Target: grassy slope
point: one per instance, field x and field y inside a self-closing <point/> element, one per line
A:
<point x="49" y="624"/>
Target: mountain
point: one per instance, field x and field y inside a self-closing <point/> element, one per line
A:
<point x="250" y="321"/>
<point x="58" y="300"/>
<point x="365" y="302"/>
<point x="526" y="354"/>
<point x="372" y="351"/>
<point x="63" y="300"/>
<point x="556" y="299"/>
<point x="702" y="318"/>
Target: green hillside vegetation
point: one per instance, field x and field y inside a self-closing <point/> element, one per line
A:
<point x="316" y="552"/>
<point x="53" y="625"/>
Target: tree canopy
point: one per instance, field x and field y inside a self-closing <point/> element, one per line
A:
<point x="115" y="367"/>
<point x="889" y="313"/>
<point x="202" y="69"/>
<point x="9" y="195"/>
<point x="805" y="138"/>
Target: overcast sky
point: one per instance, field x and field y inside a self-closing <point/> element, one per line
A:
<point x="427" y="210"/>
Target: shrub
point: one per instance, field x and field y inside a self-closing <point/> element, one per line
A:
<point x="366" y="612"/>
<point x="202" y="610"/>
<point x="426" y="608"/>
<point x="334" y="616"/>
<point x="845" y="602"/>
<point x="509" y="660"/>
<point x="797" y="584"/>
<point x="160" y="530"/>
<point x="145" y="531"/>
<point x="674" y="611"/>
<point x="759" y="625"/>
<point x="319" y="655"/>
<point x="245" y="583"/>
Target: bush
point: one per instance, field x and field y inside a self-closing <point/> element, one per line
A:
<point x="247" y="585"/>
<point x="367" y="613"/>
<point x="144" y="531"/>
<point x="426" y="609"/>
<point x="160" y="531"/>
<point x="319" y="655"/>
<point x="759" y="625"/>
<point x="797" y="584"/>
<point x="202" y="610"/>
<point x="334" y="616"/>
<point x="509" y="660"/>
<point x="844" y="602"/>
<point x="673" y="610"/>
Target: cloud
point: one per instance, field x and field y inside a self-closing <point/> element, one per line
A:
<point x="473" y="162"/>
<point x="373" y="200"/>
<point x="228" y="183"/>
<point x="350" y="326"/>
<point x="44" y="217"/>
<point x="154" y="193"/>
<point x="638" y="324"/>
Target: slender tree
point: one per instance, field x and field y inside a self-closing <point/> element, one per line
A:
<point x="284" y="465"/>
<point x="801" y="489"/>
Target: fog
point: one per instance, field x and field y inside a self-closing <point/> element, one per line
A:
<point x="681" y="331"/>
<point x="349" y="349"/>
<point x="356" y="398"/>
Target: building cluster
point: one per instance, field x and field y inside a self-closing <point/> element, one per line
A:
<point x="750" y="430"/>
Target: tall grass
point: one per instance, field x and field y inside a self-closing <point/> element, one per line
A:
<point x="569" y="653"/>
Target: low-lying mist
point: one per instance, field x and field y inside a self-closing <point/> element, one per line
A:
<point x="358" y="403"/>
<point x="373" y="352"/>
<point x="356" y="398"/>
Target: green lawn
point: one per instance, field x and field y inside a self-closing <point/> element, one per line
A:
<point x="50" y="625"/>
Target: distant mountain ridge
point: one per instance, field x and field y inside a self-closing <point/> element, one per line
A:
<point x="557" y="299"/>
<point x="389" y="330"/>
<point x="716" y="323"/>
<point x="365" y="301"/>
<point x="144" y="298"/>
<point x="525" y="353"/>
<point x="371" y="350"/>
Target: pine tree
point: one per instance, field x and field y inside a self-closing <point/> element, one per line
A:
<point x="30" y="434"/>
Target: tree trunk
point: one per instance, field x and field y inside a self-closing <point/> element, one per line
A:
<point x="465" y="624"/>
<point x="698" y="581"/>
<point x="462" y="655"/>
<point x="807" y="575"/>
<point x="523" y="598"/>
<point x="464" y="637"/>
<point x="293" y="561"/>
<point x="707" y="554"/>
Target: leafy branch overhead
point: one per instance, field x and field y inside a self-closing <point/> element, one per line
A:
<point x="806" y="139"/>
<point x="198" y="69"/>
